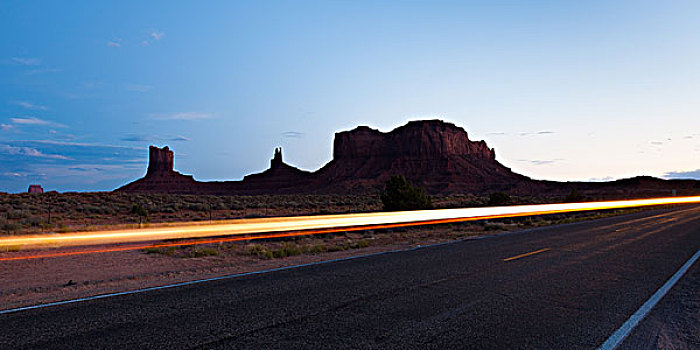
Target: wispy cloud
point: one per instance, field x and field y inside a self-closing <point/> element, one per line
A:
<point x="114" y="43"/>
<point x="541" y="161"/>
<point x="32" y="106"/>
<point x="154" y="138"/>
<point x="293" y="134"/>
<point x="78" y="144"/>
<point x="157" y="35"/>
<point x="13" y="174"/>
<point x="30" y="121"/>
<point x="601" y="179"/>
<point x="543" y="132"/>
<point x="691" y="174"/>
<point x="179" y="138"/>
<point x="497" y="133"/>
<point x="35" y="121"/>
<point x="183" y="116"/>
<point x="26" y="61"/>
<point x="136" y="138"/>
<point x="29" y="152"/>
<point x="6" y="127"/>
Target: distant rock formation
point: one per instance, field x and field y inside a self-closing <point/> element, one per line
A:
<point x="35" y="189"/>
<point x="430" y="153"/>
<point x="160" y="160"/>
<point x="160" y="176"/>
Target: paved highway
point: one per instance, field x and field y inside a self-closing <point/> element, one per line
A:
<point x="562" y="287"/>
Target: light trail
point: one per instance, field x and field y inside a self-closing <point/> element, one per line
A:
<point x="249" y="229"/>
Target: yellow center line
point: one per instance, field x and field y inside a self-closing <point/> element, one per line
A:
<point x="526" y="254"/>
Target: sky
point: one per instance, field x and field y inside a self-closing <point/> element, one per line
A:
<point x="563" y="90"/>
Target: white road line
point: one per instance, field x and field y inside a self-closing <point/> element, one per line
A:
<point x="181" y="284"/>
<point x="621" y="333"/>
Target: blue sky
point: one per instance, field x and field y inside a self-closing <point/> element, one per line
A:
<point x="564" y="90"/>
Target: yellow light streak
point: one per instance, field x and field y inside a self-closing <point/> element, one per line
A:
<point x="333" y="223"/>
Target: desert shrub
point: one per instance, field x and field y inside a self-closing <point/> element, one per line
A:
<point x="168" y="251"/>
<point x="204" y="251"/>
<point x="287" y="249"/>
<point x="10" y="227"/>
<point x="400" y="194"/>
<point x="574" y="196"/>
<point x="499" y="198"/>
<point x="33" y="221"/>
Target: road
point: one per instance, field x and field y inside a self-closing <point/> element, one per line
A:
<point x="578" y="285"/>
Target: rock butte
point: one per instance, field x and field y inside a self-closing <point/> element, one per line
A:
<point x="431" y="153"/>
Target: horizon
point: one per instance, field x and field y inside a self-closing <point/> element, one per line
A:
<point x="592" y="91"/>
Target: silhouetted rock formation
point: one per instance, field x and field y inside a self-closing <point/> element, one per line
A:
<point x="160" y="176"/>
<point x="430" y="153"/>
<point x="160" y="160"/>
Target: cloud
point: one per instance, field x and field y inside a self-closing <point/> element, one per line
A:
<point x="497" y="133"/>
<point x="139" y="88"/>
<point x="544" y="132"/>
<point x="293" y="134"/>
<point x="29" y="152"/>
<point x="154" y="138"/>
<point x="182" y="116"/>
<point x="6" y="127"/>
<point x="13" y="174"/>
<point x="26" y="61"/>
<point x="157" y="35"/>
<point x="657" y="143"/>
<point x="692" y="174"/>
<point x="30" y="121"/>
<point x="35" y="121"/>
<point x="136" y="138"/>
<point x="541" y="161"/>
<point x="601" y="179"/>
<point x="29" y="105"/>
<point x="77" y="144"/>
<point x="114" y="43"/>
<point x="144" y="43"/>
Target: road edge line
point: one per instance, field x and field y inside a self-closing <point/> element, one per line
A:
<point x="621" y="333"/>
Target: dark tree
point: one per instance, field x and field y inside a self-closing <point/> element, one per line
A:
<point x="140" y="211"/>
<point x="499" y="198"/>
<point x="574" y="196"/>
<point x="399" y="194"/>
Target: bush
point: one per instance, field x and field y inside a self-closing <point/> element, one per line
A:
<point x="137" y="209"/>
<point x="498" y="198"/>
<point x="399" y="194"/>
<point x="204" y="251"/>
<point x="574" y="196"/>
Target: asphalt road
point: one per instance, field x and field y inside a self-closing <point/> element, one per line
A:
<point x="586" y="281"/>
